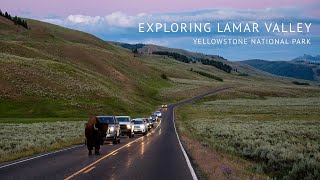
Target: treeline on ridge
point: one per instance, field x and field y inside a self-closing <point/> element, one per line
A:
<point x="132" y="47"/>
<point x="175" y="55"/>
<point x="217" y="64"/>
<point x="16" y="20"/>
<point x="185" y="59"/>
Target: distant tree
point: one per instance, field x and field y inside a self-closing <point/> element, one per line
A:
<point x="135" y="51"/>
<point x="15" y="20"/>
<point x="217" y="64"/>
<point x="25" y="24"/>
<point x="19" y="21"/>
<point x="163" y="76"/>
<point x="176" y="56"/>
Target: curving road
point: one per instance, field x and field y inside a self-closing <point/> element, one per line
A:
<point x="159" y="155"/>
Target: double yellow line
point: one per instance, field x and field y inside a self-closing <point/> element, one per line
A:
<point x="92" y="165"/>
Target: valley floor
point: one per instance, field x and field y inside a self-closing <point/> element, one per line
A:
<point x="236" y="134"/>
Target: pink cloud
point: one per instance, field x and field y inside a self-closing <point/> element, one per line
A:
<point x="97" y="7"/>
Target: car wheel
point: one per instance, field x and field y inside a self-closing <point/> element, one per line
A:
<point x="115" y="140"/>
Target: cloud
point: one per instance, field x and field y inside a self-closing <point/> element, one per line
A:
<point x="81" y="19"/>
<point x="119" y="26"/>
<point x="118" y="21"/>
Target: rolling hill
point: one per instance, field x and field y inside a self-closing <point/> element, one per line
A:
<point x="307" y="58"/>
<point x="297" y="70"/>
<point x="148" y="49"/>
<point x="49" y="71"/>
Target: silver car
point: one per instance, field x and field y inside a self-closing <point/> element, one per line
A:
<point x="149" y="123"/>
<point x="126" y="126"/>
<point x="140" y="126"/>
<point x="159" y="114"/>
<point x="154" y="117"/>
<point x="113" y="133"/>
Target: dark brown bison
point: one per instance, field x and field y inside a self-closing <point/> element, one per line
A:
<point x="95" y="134"/>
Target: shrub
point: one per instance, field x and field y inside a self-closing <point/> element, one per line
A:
<point x="301" y="83"/>
<point x="216" y="64"/>
<point x="209" y="75"/>
<point x="176" y="56"/>
<point x="243" y="74"/>
<point x="163" y="76"/>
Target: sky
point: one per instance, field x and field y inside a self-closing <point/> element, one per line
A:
<point x="119" y="21"/>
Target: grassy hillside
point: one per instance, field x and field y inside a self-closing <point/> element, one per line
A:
<point x="148" y="49"/>
<point x="288" y="69"/>
<point x="50" y="71"/>
<point x="54" y="72"/>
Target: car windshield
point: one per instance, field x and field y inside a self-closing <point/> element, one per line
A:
<point x="137" y="122"/>
<point x="106" y="119"/>
<point x="123" y="119"/>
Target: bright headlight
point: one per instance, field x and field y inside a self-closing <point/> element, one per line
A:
<point x="128" y="126"/>
<point x="111" y="129"/>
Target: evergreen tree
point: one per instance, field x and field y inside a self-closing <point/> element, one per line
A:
<point x="19" y="21"/>
<point x="135" y="51"/>
<point x="15" y="20"/>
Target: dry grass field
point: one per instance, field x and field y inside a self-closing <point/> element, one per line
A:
<point x="275" y="130"/>
<point x="20" y="140"/>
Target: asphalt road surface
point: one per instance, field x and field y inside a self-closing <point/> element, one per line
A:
<point x="159" y="155"/>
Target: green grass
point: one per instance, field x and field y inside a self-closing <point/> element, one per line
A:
<point x="38" y="120"/>
<point x="208" y="75"/>
<point x="20" y="140"/>
<point x="281" y="135"/>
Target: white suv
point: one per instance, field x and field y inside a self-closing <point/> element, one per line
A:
<point x="140" y="126"/>
<point x="126" y="126"/>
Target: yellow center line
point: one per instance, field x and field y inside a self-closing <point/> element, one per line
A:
<point x="89" y="170"/>
<point x="91" y="166"/>
<point x="115" y="153"/>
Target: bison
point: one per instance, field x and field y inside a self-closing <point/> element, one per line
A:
<point x="95" y="133"/>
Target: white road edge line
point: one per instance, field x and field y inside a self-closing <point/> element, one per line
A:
<point x="36" y="157"/>
<point x="193" y="174"/>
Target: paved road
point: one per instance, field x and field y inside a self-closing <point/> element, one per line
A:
<point x="156" y="156"/>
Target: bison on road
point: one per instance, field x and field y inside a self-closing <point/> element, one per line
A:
<point x="95" y="133"/>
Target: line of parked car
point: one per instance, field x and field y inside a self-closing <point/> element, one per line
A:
<point x="125" y="126"/>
